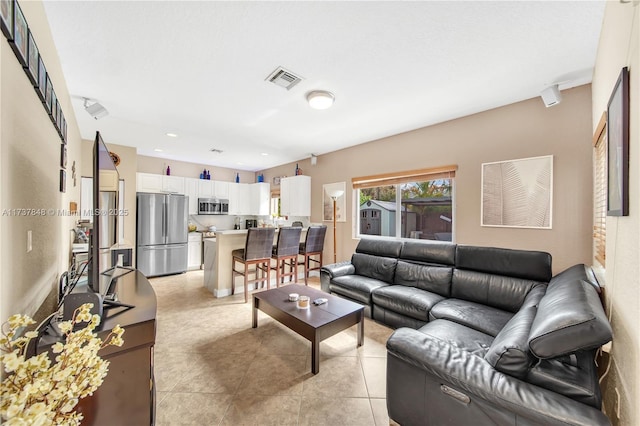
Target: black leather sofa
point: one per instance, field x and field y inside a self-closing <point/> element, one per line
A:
<point x="485" y="336"/>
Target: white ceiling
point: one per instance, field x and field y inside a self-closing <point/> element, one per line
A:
<point x="198" y="69"/>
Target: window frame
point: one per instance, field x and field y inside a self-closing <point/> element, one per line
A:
<point x="397" y="179"/>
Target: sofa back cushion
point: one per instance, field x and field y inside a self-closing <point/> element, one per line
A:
<point x="506" y="293"/>
<point x="570" y="318"/>
<point x="429" y="252"/>
<point x="377" y="267"/>
<point x="525" y="264"/>
<point x="377" y="247"/>
<point x="436" y="279"/>
<point x="509" y="352"/>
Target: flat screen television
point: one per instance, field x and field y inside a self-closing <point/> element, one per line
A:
<point x="105" y="212"/>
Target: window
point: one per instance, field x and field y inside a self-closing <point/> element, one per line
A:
<point x="600" y="191"/>
<point x="423" y="198"/>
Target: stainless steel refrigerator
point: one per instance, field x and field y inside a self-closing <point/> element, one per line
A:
<point x="162" y="234"/>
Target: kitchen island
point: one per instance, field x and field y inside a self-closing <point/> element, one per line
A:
<point x="217" y="260"/>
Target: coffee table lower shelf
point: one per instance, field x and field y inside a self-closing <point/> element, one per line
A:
<point x="316" y="323"/>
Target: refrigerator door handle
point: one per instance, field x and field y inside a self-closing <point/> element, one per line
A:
<point x="164" y="219"/>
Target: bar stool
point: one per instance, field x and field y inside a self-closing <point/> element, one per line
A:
<point x="257" y="252"/>
<point x="312" y="246"/>
<point x="285" y="253"/>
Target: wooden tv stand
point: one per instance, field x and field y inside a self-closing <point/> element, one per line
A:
<point x="127" y="395"/>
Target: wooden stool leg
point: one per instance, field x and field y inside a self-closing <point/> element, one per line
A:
<point x="233" y="276"/>
<point x="246" y="282"/>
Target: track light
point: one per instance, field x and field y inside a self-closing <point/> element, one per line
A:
<point x="551" y="96"/>
<point x="96" y="110"/>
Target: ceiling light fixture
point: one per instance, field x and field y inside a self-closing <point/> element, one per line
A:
<point x="96" y="110"/>
<point x="171" y="135"/>
<point x="264" y="153"/>
<point x="314" y="159"/>
<point x="158" y="150"/>
<point x="320" y="99"/>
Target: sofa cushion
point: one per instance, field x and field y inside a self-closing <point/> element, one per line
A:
<point x="525" y="264"/>
<point x="498" y="291"/>
<point x="377" y="267"/>
<point x="431" y="278"/>
<point x="479" y="317"/>
<point x="378" y="247"/>
<point x="429" y="252"/>
<point x="457" y="335"/>
<point x="355" y="287"/>
<point x="509" y="352"/>
<point x="570" y="318"/>
<point x="394" y="319"/>
<point x="574" y="376"/>
<point x="409" y="301"/>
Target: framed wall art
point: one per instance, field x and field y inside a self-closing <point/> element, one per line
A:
<point x="42" y="79"/>
<point x="6" y="18"/>
<point x="618" y="152"/>
<point x="63" y="181"/>
<point x="518" y="193"/>
<point x="327" y="202"/>
<point x="32" y="61"/>
<point x="48" y="95"/>
<point x="63" y="156"/>
<point x="20" y="35"/>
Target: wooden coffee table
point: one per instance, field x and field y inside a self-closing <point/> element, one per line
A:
<point x="315" y="323"/>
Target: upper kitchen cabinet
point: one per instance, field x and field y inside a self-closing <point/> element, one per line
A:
<point x="239" y="199"/>
<point x="260" y="198"/>
<point x="149" y="182"/>
<point x="295" y="196"/>
<point x="191" y="186"/>
<point x="213" y="189"/>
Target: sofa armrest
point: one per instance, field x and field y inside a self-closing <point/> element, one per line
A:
<point x="328" y="272"/>
<point x="472" y="374"/>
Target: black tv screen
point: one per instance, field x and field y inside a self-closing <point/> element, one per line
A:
<point x="105" y="211"/>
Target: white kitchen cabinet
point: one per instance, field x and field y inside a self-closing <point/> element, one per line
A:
<point x="240" y="199"/>
<point x="148" y="182"/>
<point x="191" y="191"/>
<point x="173" y="184"/>
<point x="221" y="189"/>
<point x="260" y="198"/>
<point x="206" y="188"/>
<point x="194" y="251"/>
<point x="295" y="196"/>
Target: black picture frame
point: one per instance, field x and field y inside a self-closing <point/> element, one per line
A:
<point x="48" y="94"/>
<point x="42" y="80"/>
<point x="63" y="156"/>
<point x="20" y="41"/>
<point x="54" y="107"/>
<point x="6" y="18"/>
<point x="63" y="181"/>
<point x="33" y="56"/>
<point x="64" y="130"/>
<point x="618" y="149"/>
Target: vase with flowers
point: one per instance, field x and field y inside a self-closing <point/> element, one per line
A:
<point x="37" y="391"/>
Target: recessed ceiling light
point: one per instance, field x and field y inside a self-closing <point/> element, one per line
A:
<point x="172" y="135"/>
<point x="320" y="99"/>
<point x="240" y="164"/>
<point x="158" y="150"/>
<point x="264" y="153"/>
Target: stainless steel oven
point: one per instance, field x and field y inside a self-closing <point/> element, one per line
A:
<point x="213" y="206"/>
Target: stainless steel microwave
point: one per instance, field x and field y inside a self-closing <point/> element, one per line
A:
<point x="213" y="206"/>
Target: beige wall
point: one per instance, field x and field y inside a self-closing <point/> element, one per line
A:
<point x="524" y="129"/>
<point x="30" y="156"/>
<point x="192" y="170"/>
<point x="619" y="46"/>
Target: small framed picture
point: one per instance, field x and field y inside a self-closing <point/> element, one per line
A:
<point x="618" y="145"/>
<point x="58" y="117"/>
<point x="20" y="35"/>
<point x="64" y="130"/>
<point x="42" y="80"/>
<point x="32" y="62"/>
<point x="54" y="106"/>
<point x="63" y="156"/>
<point x="48" y="94"/>
<point x="6" y="18"/>
<point x="63" y="181"/>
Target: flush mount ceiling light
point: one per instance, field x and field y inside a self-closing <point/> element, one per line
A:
<point x="320" y="99"/>
<point x="171" y="135"/>
<point x="96" y="110"/>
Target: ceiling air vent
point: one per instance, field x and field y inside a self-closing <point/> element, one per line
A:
<point x="283" y="78"/>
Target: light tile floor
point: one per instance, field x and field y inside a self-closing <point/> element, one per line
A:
<point x="212" y="368"/>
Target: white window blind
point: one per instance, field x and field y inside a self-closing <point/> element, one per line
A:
<point x="434" y="173"/>
<point x="600" y="191"/>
